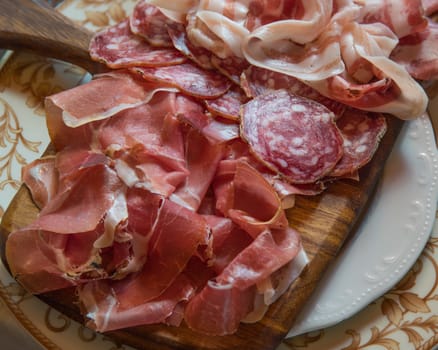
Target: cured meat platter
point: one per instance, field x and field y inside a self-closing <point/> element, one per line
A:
<point x="164" y="66"/>
<point x="324" y="221"/>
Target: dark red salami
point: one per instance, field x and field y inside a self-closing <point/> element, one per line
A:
<point x="189" y="78"/>
<point x="149" y="22"/>
<point x="256" y="81"/>
<point x="199" y="55"/>
<point x="118" y="47"/>
<point x="292" y="135"/>
<point x="228" y="105"/>
<point x="362" y="133"/>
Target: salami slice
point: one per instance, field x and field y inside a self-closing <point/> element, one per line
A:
<point x="232" y="67"/>
<point x="294" y="136"/>
<point x="149" y="22"/>
<point x="256" y="81"/>
<point x="362" y="133"/>
<point x="189" y="78"/>
<point x="197" y="54"/>
<point x="118" y="47"/>
<point x="228" y="105"/>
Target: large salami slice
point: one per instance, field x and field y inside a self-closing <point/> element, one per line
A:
<point x="189" y="78"/>
<point x="362" y="132"/>
<point x="118" y="47"/>
<point x="292" y="135"/>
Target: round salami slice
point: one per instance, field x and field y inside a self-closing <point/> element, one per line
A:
<point x="362" y="133"/>
<point x="292" y="135"/>
<point x="256" y="81"/>
<point x="189" y="78"/>
<point x="149" y="22"/>
<point x="118" y="47"/>
<point x="228" y="105"/>
<point x="232" y="67"/>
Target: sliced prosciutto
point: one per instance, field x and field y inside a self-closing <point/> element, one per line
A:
<point x="293" y="136"/>
<point x="118" y="47"/>
<point x="189" y="78"/>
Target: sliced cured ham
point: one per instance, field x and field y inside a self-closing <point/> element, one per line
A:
<point x="293" y="136"/>
<point x="40" y="176"/>
<point x="118" y="47"/>
<point x="189" y="78"/>
<point x="361" y="133"/>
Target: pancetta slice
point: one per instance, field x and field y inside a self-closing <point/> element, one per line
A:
<point x="392" y="90"/>
<point x="292" y="135"/>
<point x="118" y="47"/>
<point x="403" y="17"/>
<point x="417" y="53"/>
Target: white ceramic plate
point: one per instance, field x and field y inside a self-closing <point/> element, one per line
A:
<point x="390" y="238"/>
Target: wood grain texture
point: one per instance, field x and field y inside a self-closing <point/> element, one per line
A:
<point x="44" y="31"/>
<point x="324" y="221"/>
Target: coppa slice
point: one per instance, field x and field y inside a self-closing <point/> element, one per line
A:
<point x="292" y="135"/>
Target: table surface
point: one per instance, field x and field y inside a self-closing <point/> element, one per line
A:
<point x="404" y="318"/>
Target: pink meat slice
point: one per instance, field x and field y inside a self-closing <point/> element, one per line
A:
<point x="362" y="133"/>
<point x="189" y="78"/>
<point x="150" y="23"/>
<point x="294" y="136"/>
<point x="228" y="105"/>
<point x="256" y="81"/>
<point x="118" y="47"/>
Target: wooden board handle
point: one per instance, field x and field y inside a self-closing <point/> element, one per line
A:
<point x="25" y="24"/>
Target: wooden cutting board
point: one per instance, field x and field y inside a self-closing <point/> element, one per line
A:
<point x="324" y="221"/>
